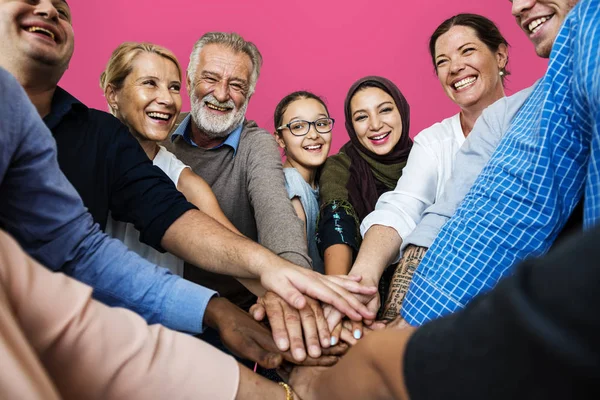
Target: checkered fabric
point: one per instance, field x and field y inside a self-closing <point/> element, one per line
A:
<point x="525" y="194"/>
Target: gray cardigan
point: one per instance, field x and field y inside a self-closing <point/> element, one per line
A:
<point x="250" y="188"/>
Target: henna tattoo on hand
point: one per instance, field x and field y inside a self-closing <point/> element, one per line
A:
<point x="401" y="281"/>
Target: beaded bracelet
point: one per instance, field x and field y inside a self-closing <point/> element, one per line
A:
<point x="288" y="391"/>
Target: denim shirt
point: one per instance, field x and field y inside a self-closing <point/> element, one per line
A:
<point x="44" y="213"/>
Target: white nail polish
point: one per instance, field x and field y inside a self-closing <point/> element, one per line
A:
<point x="357" y="334"/>
<point x="333" y="341"/>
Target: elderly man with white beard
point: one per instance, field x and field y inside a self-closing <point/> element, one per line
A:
<point x="242" y="164"/>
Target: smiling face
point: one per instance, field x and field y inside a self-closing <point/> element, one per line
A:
<point x="219" y="91"/>
<point x="376" y="120"/>
<point x="149" y="100"/>
<point x="467" y="70"/>
<point x="541" y="20"/>
<point x="36" y="32"/>
<point x="310" y="150"/>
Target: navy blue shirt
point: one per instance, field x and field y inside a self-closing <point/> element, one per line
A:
<point x="42" y="211"/>
<point x="110" y="170"/>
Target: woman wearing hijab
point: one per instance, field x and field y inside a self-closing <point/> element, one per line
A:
<point x="377" y="120"/>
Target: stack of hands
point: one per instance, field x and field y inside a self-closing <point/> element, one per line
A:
<point x="304" y="319"/>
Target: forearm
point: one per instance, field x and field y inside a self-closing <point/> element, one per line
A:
<point x="121" y="278"/>
<point x="252" y="386"/>
<point x="72" y="335"/>
<point x="378" y="250"/>
<point x="372" y="369"/>
<point x="202" y="241"/>
<point x="338" y="259"/>
<point x="401" y="280"/>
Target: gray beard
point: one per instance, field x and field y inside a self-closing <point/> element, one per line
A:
<point x="216" y="126"/>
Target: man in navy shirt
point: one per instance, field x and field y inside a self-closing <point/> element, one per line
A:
<point x="116" y="175"/>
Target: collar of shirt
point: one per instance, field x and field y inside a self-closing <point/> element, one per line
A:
<point x="185" y="129"/>
<point x="62" y="103"/>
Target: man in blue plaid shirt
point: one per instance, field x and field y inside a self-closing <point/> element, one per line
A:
<point x="540" y="171"/>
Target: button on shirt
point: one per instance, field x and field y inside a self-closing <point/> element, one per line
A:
<point x="40" y="208"/>
<point x="526" y="192"/>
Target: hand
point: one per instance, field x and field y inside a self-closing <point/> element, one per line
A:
<point x="241" y="334"/>
<point x="302" y="379"/>
<point x="288" y="324"/>
<point x="292" y="282"/>
<point x="334" y="316"/>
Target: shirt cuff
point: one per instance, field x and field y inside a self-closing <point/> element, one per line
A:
<point x="425" y="302"/>
<point x="184" y="308"/>
<point x="404" y="226"/>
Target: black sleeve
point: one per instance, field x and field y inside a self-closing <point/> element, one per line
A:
<point x="536" y="336"/>
<point x="337" y="225"/>
<point x="140" y="192"/>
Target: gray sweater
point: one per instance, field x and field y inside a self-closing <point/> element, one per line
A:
<point x="250" y="188"/>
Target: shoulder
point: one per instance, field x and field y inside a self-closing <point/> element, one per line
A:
<point x="440" y="131"/>
<point x="165" y="158"/>
<point x="339" y="160"/>
<point x="102" y="122"/>
<point x="257" y="141"/>
<point x="508" y="106"/>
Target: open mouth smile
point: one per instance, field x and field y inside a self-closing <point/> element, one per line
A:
<point x="536" y="24"/>
<point x="464" y="83"/>
<point x="380" y="137"/>
<point x="159" y="116"/>
<point x="217" y="108"/>
<point x="41" y="31"/>
<point x="313" y="147"/>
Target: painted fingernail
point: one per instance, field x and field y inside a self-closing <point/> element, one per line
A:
<point x="357" y="334"/>
<point x="333" y="340"/>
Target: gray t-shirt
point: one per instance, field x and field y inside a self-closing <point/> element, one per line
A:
<point x="296" y="186"/>
<point x="479" y="146"/>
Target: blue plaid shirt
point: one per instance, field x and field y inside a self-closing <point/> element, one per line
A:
<point x="525" y="194"/>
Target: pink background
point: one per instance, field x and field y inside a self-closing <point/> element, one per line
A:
<point x="317" y="45"/>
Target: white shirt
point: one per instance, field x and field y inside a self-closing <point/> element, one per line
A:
<point x="429" y="166"/>
<point x="127" y="233"/>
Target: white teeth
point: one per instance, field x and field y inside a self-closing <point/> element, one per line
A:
<point x="315" y="147"/>
<point x="379" y="137"/>
<point x="464" y="82"/>
<point x="38" y="29"/>
<point x="215" y="107"/>
<point x="535" y="25"/>
<point x="159" y="115"/>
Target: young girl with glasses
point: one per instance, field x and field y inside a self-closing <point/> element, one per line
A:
<point x="303" y="130"/>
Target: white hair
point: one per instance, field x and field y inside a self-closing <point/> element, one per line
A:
<point x="233" y="41"/>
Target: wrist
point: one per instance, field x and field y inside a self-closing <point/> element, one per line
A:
<point x="214" y="311"/>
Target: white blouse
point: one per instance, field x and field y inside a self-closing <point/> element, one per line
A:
<point x="127" y="233"/>
<point x="429" y="166"/>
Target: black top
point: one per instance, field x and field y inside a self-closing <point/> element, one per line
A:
<point x="111" y="171"/>
<point x="536" y="336"/>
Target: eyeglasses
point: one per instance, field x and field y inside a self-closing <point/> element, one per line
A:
<point x="301" y="128"/>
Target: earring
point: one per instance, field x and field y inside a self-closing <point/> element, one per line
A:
<point x="501" y="72"/>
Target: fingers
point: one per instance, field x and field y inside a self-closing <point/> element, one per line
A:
<point x="357" y="329"/>
<point x="274" y="310"/>
<point x="294" y="332"/>
<point x="378" y="325"/>
<point x="322" y="327"/>
<point x="334" y="318"/>
<point x="338" y="350"/>
<point x="311" y="334"/>
<point x="335" y="334"/>
<point x="346" y="334"/>
<point x="347" y="303"/>
<point x="258" y="312"/>
<point x="351" y="285"/>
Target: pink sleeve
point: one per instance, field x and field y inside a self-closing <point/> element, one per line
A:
<point x="95" y="352"/>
